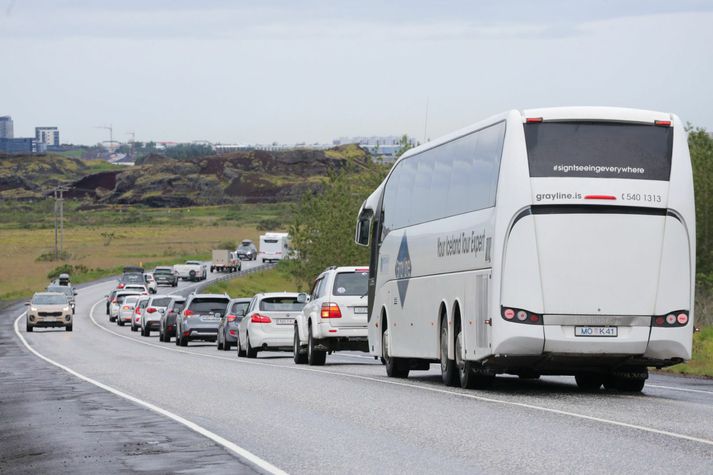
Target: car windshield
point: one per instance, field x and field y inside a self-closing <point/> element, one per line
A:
<point x="351" y="283"/>
<point x="135" y="287"/>
<point x="161" y="302"/>
<point x="163" y="271"/>
<point x="60" y="289"/>
<point x="281" y="304"/>
<point x="209" y="305"/>
<point x="193" y="263"/>
<point x="49" y="300"/>
<point x="246" y="244"/>
<point x="132" y="278"/>
<point x="239" y="308"/>
<point x="120" y="298"/>
<point x="179" y="306"/>
<point x="130" y="299"/>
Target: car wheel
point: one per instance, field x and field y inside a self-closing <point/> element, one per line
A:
<point x="120" y="322"/>
<point x="314" y="357"/>
<point x="226" y="345"/>
<point x="184" y="341"/>
<point x="469" y="378"/>
<point x="133" y="328"/>
<point x="250" y="352"/>
<point x="298" y="353"/>
<point x="68" y="328"/>
<point x="147" y="331"/>
<point x="28" y="328"/>
<point x="449" y="370"/>
<point x="241" y="352"/>
<point x="220" y="343"/>
<point x="395" y="367"/>
<point x="178" y="338"/>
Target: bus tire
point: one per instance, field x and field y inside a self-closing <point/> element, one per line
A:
<point x="449" y="370"/>
<point x="467" y="374"/>
<point x="395" y="367"/>
<point x="589" y="382"/>
<point x="629" y="383"/>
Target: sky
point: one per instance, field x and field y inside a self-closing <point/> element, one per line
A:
<point x="292" y="71"/>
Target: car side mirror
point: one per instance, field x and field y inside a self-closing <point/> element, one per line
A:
<point x="302" y="298"/>
<point x="27" y="304"/>
<point x="361" y="236"/>
<point x="75" y="292"/>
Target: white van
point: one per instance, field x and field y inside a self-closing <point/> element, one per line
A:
<point x="274" y="247"/>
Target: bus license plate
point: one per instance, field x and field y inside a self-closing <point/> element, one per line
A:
<point x="596" y="331"/>
<point x="360" y="310"/>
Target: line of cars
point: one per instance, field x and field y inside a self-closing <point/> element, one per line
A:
<point x="332" y="317"/>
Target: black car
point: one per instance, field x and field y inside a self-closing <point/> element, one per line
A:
<point x="165" y="276"/>
<point x="167" y="326"/>
<point x="246" y="251"/>
<point x="228" y="326"/>
<point x="131" y="278"/>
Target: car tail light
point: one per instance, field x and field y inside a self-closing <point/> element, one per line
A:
<point x="232" y="332"/>
<point x="120" y="286"/>
<point x="679" y="318"/>
<point x="257" y="318"/>
<point x="518" y="315"/>
<point x="151" y="310"/>
<point x="331" y="310"/>
<point x="231" y="318"/>
<point x="663" y="123"/>
<point x="531" y="120"/>
<point x="138" y="309"/>
<point x="187" y="313"/>
<point x="114" y="301"/>
<point x="126" y="307"/>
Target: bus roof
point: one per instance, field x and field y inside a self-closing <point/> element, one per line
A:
<point x="551" y="113"/>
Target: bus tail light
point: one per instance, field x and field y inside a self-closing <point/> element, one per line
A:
<point x="331" y="310"/>
<point x="679" y="318"/>
<point x="518" y="315"/>
<point x="663" y="123"/>
<point x="533" y="120"/>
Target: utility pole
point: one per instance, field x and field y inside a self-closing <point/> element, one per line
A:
<point x="58" y="222"/>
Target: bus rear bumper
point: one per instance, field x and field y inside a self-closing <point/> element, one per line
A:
<point x="630" y="340"/>
<point x="665" y="343"/>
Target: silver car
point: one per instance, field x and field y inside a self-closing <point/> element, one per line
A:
<point x="228" y="327"/>
<point x="48" y="309"/>
<point x="201" y="317"/>
<point x="139" y="308"/>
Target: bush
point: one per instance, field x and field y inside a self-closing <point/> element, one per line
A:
<point x="67" y="269"/>
<point x="227" y="245"/>
<point x="268" y="224"/>
<point x="49" y="256"/>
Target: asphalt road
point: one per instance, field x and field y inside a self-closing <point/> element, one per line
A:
<point x="348" y="417"/>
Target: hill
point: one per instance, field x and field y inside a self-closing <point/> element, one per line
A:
<point x="249" y="176"/>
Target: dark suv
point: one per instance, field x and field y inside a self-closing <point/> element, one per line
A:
<point x="165" y="276"/>
<point x="201" y="317"/>
<point x="247" y="251"/>
<point x="167" y="327"/>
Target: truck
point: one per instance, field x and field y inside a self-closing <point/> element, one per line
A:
<point x="191" y="270"/>
<point x="274" y="246"/>
<point x="224" y="261"/>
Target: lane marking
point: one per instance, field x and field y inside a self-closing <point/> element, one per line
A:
<point x="417" y="386"/>
<point x="679" y="389"/>
<point x="236" y="449"/>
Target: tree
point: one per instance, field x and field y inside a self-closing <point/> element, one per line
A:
<point x="405" y="145"/>
<point x="323" y="224"/>
<point x="700" y="144"/>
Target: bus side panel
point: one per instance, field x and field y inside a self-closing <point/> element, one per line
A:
<point x="674" y="293"/>
<point x="521" y="289"/>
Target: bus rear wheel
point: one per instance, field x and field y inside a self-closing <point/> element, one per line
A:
<point x="449" y="370"/>
<point x="468" y="374"/>
<point x="395" y="367"/>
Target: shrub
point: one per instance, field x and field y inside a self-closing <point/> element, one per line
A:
<point x="268" y="224"/>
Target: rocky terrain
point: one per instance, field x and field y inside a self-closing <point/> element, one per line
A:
<point x="249" y="176"/>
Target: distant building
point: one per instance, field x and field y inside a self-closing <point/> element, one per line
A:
<point x="47" y="135"/>
<point x="383" y="147"/>
<point x="21" y="146"/>
<point x="6" y="127"/>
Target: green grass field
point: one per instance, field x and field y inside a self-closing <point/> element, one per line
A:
<point x="702" y="362"/>
<point x="273" y="280"/>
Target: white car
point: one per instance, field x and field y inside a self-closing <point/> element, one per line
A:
<point x="118" y="301"/>
<point x="191" y="270"/>
<point x="268" y="323"/>
<point x="151" y="284"/>
<point x="335" y="318"/>
<point x="139" y="308"/>
<point x="137" y="288"/>
<point x="126" y="310"/>
<point x="151" y="316"/>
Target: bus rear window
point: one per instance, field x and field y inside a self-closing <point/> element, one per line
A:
<point x="599" y="150"/>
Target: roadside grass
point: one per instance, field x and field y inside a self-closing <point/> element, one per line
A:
<point x="103" y="250"/>
<point x="273" y="280"/>
<point x="701" y="364"/>
<point x="38" y="214"/>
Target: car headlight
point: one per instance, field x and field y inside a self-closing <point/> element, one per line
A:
<point x="66" y="309"/>
<point x="33" y="309"/>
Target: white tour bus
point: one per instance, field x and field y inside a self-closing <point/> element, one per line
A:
<point x="548" y="241"/>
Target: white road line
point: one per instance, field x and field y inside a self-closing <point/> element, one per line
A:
<point x="679" y="389"/>
<point x="423" y="388"/>
<point x="236" y="449"/>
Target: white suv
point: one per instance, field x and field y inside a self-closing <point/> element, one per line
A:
<point x="335" y="317"/>
<point x="151" y="317"/>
